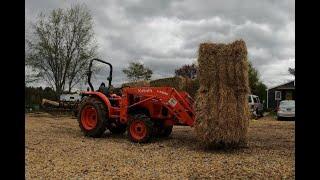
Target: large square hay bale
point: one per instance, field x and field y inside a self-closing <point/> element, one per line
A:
<point x="175" y="82"/>
<point x="136" y="84"/>
<point x="179" y="83"/>
<point x="222" y="113"/>
<point x="191" y="86"/>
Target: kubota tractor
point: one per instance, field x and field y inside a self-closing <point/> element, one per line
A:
<point x="141" y="111"/>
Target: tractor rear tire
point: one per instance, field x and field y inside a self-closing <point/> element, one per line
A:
<point x="140" y="128"/>
<point x="92" y="117"/>
<point x="117" y="128"/>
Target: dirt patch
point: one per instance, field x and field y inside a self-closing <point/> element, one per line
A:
<point x="55" y="147"/>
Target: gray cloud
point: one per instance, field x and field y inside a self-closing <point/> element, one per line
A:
<point x="166" y="34"/>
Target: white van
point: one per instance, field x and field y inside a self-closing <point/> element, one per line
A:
<point x="256" y="107"/>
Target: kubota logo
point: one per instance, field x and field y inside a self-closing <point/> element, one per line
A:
<point x="144" y="90"/>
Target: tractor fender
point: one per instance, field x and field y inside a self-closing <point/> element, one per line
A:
<point x="100" y="96"/>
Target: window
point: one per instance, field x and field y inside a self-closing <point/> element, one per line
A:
<point x="249" y="99"/>
<point x="277" y="95"/>
<point x="255" y="100"/>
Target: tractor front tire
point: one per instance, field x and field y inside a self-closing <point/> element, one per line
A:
<point x="92" y="117"/>
<point x="140" y="128"/>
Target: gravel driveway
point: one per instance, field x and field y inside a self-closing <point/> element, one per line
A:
<point x="56" y="149"/>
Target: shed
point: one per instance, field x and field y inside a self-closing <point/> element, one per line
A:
<point x="281" y="92"/>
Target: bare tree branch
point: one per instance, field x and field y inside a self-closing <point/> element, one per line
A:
<point x="62" y="46"/>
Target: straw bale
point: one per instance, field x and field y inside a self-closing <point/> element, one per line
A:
<point x="175" y="82"/>
<point x="179" y="83"/>
<point x="191" y="86"/>
<point x="222" y="112"/>
<point x="136" y="84"/>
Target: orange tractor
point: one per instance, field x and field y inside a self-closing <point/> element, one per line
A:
<point x="143" y="112"/>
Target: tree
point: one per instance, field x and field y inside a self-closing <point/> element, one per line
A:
<point x="34" y="96"/>
<point x="256" y="86"/>
<point x="136" y="71"/>
<point x="31" y="78"/>
<point x="292" y="71"/>
<point x="253" y="77"/>
<point x="61" y="46"/>
<point x="260" y="90"/>
<point x="187" y="70"/>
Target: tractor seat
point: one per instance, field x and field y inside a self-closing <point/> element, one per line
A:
<point x="104" y="90"/>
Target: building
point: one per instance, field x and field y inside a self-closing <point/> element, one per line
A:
<point x="281" y="92"/>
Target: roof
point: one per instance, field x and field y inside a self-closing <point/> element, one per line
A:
<point x="294" y="84"/>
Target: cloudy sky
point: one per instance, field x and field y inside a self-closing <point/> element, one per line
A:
<point x="165" y="34"/>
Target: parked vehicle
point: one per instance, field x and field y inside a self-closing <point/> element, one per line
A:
<point x="256" y="107"/>
<point x="286" y="109"/>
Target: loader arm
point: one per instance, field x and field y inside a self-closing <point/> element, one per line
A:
<point x="170" y="98"/>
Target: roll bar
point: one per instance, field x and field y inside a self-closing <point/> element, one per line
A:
<point x="90" y="72"/>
